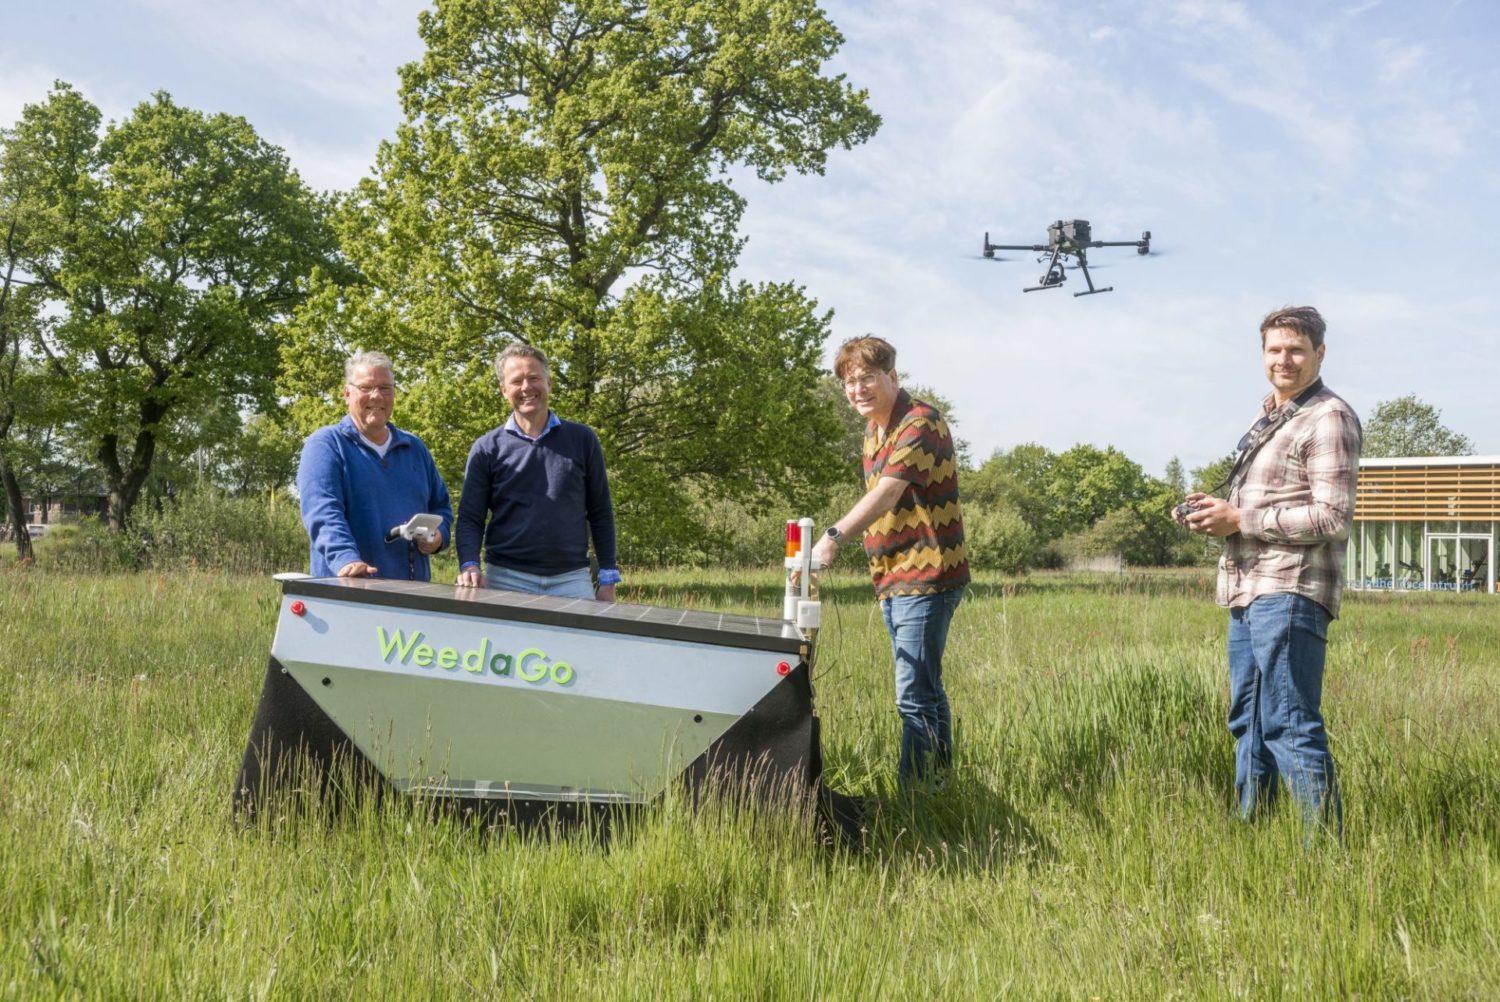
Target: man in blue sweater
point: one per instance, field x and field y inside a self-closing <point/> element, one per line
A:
<point x="362" y="477"/>
<point x="540" y="483"/>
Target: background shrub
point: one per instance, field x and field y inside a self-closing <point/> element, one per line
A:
<point x="203" y="529"/>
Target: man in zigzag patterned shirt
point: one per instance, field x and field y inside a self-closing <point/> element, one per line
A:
<point x="914" y="537"/>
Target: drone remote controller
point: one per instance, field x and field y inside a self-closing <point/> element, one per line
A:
<point x="1187" y="508"/>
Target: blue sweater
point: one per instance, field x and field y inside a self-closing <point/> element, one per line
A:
<point x="543" y="499"/>
<point x="351" y="498"/>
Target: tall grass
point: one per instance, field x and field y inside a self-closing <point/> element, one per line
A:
<point x="1085" y="848"/>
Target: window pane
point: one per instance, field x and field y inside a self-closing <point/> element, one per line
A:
<point x="1408" y="563"/>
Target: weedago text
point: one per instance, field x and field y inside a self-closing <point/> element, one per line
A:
<point x="530" y="665"/>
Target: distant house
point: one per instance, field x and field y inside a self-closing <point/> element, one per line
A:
<point x="1426" y="523"/>
<point x="61" y="508"/>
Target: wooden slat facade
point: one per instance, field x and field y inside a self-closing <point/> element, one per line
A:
<point x="1437" y="488"/>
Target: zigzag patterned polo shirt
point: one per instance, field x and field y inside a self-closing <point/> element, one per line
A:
<point x="916" y="548"/>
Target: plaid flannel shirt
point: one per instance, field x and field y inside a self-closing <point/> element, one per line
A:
<point x="1296" y="502"/>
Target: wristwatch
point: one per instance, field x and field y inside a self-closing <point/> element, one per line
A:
<point x="834" y="534"/>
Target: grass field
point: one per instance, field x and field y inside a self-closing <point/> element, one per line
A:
<point x="1085" y="849"/>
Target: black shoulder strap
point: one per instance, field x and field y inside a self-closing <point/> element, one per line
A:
<point x="1262" y="433"/>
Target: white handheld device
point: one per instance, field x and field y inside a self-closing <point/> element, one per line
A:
<point x="419" y="529"/>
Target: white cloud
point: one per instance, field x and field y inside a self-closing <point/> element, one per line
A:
<point x="1312" y="154"/>
<point x="1398" y="62"/>
<point x="331" y="52"/>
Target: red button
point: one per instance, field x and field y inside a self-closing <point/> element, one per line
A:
<point x="298" y="608"/>
<point x="782" y="668"/>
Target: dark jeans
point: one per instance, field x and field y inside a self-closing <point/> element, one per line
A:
<point x="1276" y="650"/>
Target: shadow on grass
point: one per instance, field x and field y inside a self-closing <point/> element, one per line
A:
<point x="965" y="828"/>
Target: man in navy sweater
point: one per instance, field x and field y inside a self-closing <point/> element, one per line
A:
<point x="540" y="483"/>
<point x="363" y="476"/>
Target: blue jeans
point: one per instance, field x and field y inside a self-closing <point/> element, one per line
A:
<point x="1276" y="650"/>
<point x="571" y="584"/>
<point x="918" y="625"/>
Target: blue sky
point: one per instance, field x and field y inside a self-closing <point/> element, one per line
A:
<point x="1340" y="154"/>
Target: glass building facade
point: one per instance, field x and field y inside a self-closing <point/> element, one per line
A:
<point x="1429" y="523"/>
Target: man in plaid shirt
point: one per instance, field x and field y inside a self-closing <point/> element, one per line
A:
<point x="1284" y="523"/>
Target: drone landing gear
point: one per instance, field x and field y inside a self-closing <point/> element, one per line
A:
<point x="1083" y="266"/>
<point x="1054" y="275"/>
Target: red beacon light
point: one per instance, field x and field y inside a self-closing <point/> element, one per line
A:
<point x="793" y="538"/>
<point x="298" y="607"/>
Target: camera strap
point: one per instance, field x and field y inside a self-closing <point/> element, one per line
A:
<point x="1261" y="432"/>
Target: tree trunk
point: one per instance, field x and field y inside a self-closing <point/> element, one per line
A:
<point x="17" y="513"/>
<point x="126" y="480"/>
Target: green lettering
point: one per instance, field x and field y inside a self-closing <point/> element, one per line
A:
<point x="397" y="643"/>
<point x="423" y="656"/>
<point x="447" y="658"/>
<point x="529" y="674"/>
<point x="498" y="659"/>
<point x="562" y="673"/>
<point x="474" y="660"/>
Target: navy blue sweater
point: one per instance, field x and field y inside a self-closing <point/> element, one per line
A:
<point x="542" y="499"/>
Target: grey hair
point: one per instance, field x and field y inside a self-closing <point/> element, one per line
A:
<point x="373" y="359"/>
<point x="517" y="349"/>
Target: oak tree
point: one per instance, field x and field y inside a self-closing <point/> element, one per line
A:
<point x="1408" y="427"/>
<point x="567" y="174"/>
<point x="178" y="241"/>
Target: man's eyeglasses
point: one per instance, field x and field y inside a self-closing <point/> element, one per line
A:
<point x="383" y="389"/>
<point x="861" y="382"/>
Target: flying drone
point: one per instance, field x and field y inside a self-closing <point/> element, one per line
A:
<point x="1068" y="238"/>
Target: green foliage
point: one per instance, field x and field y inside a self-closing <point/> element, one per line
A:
<point x="563" y="177"/>
<point x="260" y="456"/>
<point x="1085" y="847"/>
<point x="1408" y="427"/>
<point x="203" y="529"/>
<point x="732" y="533"/>
<point x="1141" y="534"/>
<point x="1174" y="477"/>
<point x="998" y="539"/>
<point x="22" y="390"/>
<point x="175" y="243"/>
<point x="1059" y="493"/>
<point x="1019" y="479"/>
<point x="1213" y="477"/>
<point x="89" y="545"/>
<point x="1088" y="483"/>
